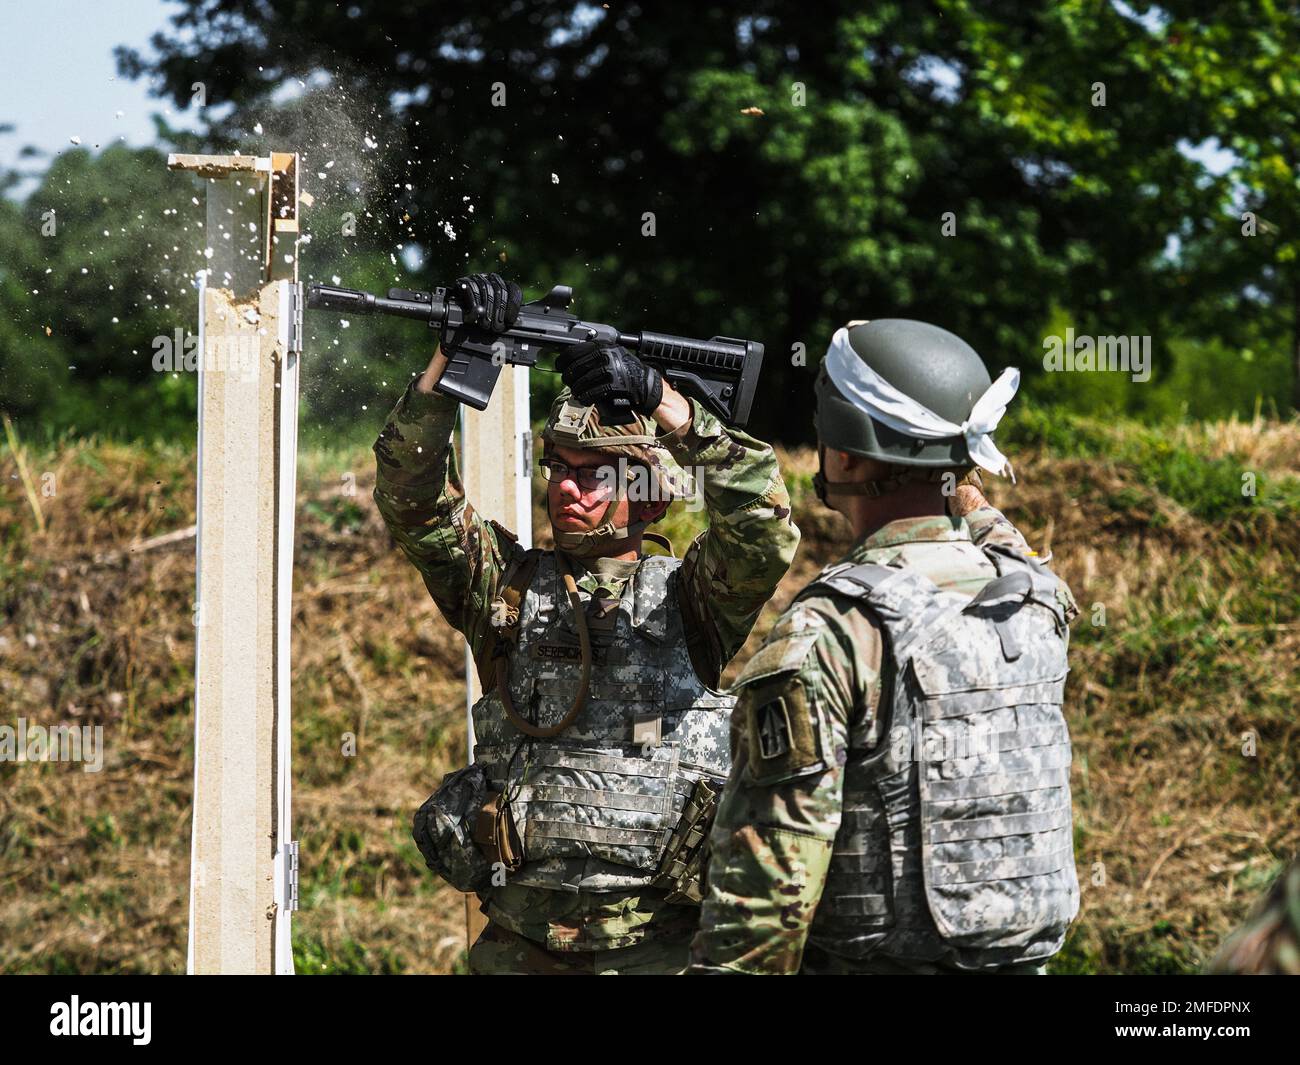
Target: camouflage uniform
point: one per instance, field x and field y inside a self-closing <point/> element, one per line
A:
<point x="596" y="911"/>
<point x="784" y="826"/>
<point x="1268" y="944"/>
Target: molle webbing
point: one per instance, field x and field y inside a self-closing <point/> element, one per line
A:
<point x="610" y="803"/>
<point x="956" y="839"/>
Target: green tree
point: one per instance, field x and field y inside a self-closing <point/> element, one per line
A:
<point x="93" y="275"/>
<point x="1051" y="136"/>
<point x="1240" y="75"/>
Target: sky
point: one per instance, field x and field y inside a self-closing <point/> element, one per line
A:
<point x="58" y="78"/>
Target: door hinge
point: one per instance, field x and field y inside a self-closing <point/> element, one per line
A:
<point x="289" y="855"/>
<point x="293" y="322"/>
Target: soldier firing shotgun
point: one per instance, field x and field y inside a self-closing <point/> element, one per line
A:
<point x="721" y="372"/>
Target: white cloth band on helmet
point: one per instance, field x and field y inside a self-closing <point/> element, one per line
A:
<point x="875" y="396"/>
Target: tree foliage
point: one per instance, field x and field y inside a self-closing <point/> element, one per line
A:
<point x="774" y="171"/>
<point x="93" y="272"/>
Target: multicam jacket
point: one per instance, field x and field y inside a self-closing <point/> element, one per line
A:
<point x="781" y="893"/>
<point x="1268" y="943"/>
<point x="721" y="584"/>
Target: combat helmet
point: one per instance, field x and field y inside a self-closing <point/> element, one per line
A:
<point x="571" y="424"/>
<point x="931" y="366"/>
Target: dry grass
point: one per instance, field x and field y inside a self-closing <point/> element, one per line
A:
<point x="1177" y="829"/>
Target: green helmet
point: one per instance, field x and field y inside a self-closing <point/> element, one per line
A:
<point x="931" y="365"/>
<point x="573" y="425"/>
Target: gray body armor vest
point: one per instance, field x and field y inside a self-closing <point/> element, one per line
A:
<point x="595" y="806"/>
<point x="956" y="841"/>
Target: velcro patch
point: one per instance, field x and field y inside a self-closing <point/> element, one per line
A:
<point x="772" y="726"/>
<point x="561" y="652"/>
<point x="556" y="652"/>
<point x="781" y="653"/>
<point x="780" y="730"/>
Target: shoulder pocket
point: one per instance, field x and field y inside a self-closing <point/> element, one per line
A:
<point x="779" y="713"/>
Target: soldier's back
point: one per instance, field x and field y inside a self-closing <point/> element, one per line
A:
<point x="938" y="865"/>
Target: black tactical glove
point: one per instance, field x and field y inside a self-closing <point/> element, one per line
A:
<point x="488" y="301"/>
<point x="611" y="376"/>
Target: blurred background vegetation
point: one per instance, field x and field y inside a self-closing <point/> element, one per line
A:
<point x="799" y="167"/>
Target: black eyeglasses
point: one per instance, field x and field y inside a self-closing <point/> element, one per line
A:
<point x="588" y="477"/>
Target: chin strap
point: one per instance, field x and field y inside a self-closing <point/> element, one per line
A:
<point x="586" y="544"/>
<point x="824" y="488"/>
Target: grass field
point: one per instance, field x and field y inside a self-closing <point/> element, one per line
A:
<point x="1181" y="698"/>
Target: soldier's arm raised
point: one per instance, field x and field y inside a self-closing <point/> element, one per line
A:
<point x="986" y="522"/>
<point x="988" y="525"/>
<point x="421" y="499"/>
<point x="771" y="844"/>
<point x="734" y="566"/>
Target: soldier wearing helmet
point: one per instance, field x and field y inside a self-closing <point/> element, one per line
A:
<point x="899" y="797"/>
<point x="601" y="736"/>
